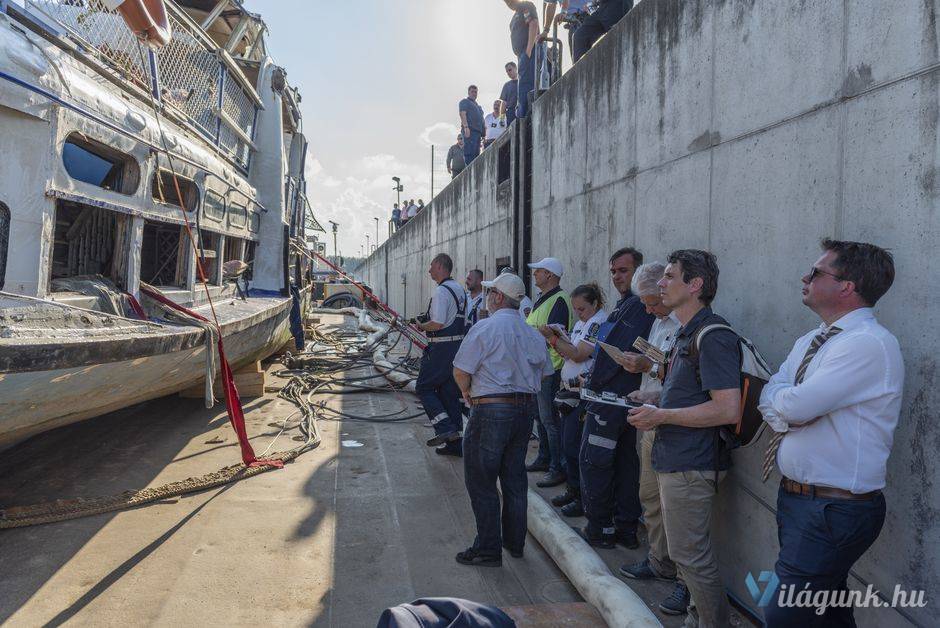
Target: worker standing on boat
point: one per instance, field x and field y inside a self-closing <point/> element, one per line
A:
<point x="444" y="323"/>
<point x="499" y="370"/>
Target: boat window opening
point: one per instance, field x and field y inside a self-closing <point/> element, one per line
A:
<point x="164" y="190"/>
<point x="210" y="256"/>
<point x="234" y="249"/>
<point x="163" y="255"/>
<point x="213" y="206"/>
<point x="250" y="260"/>
<point x="100" y="165"/>
<point x="4" y="241"/>
<point x="254" y="221"/>
<point x="503" y="162"/>
<point x="237" y="215"/>
<point x="89" y="241"/>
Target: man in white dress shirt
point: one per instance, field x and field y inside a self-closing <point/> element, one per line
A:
<point x="833" y="406"/>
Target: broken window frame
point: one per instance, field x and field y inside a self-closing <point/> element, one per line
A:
<point x="124" y="172"/>
<point x="213" y="199"/>
<point x="163" y="190"/>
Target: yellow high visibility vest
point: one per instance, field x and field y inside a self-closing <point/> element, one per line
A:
<point x="539" y="316"/>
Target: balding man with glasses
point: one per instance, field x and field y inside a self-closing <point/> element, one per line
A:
<point x="833" y="407"/>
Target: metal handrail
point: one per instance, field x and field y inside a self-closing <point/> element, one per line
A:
<point x="197" y="79"/>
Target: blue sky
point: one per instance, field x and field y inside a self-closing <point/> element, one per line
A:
<point x="380" y="82"/>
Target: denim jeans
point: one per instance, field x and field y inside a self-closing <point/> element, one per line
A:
<point x="549" y="423"/>
<point x="820" y="540"/>
<point x="526" y="83"/>
<point x="471" y="146"/>
<point x="494" y="447"/>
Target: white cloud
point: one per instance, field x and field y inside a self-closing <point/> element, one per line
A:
<point x="439" y="133"/>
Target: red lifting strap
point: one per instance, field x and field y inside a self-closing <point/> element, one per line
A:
<point x="232" y="402"/>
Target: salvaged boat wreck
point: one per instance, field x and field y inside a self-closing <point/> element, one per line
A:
<point x="113" y="154"/>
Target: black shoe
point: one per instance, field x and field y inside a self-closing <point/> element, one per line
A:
<point x="470" y="557"/>
<point x="605" y="541"/>
<point x="627" y="539"/>
<point x="512" y="552"/>
<point x="573" y="509"/>
<point x="453" y="448"/>
<point x="552" y="478"/>
<point x="642" y="571"/>
<point x="678" y="601"/>
<point x="565" y="498"/>
<point x="440" y="439"/>
<point x="536" y="466"/>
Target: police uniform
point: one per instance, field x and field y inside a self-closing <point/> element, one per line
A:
<point x="473" y="308"/>
<point x="435" y="385"/>
<point x="609" y="465"/>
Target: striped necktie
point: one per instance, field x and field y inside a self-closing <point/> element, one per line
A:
<point x="770" y="456"/>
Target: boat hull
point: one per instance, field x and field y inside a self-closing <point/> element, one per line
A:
<point x="40" y="399"/>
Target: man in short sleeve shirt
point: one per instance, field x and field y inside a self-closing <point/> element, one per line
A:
<point x="700" y="394"/>
<point x="471" y="124"/>
<point x="524" y="34"/>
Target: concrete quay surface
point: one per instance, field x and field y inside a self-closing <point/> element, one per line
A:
<point x="370" y="519"/>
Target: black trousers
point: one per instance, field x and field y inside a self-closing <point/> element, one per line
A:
<point x="596" y="25"/>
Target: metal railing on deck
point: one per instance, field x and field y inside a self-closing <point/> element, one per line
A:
<point x="194" y="79"/>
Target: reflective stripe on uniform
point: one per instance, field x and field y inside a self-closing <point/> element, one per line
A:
<point x="600" y="441"/>
<point x="445" y="338"/>
<point x="440" y="417"/>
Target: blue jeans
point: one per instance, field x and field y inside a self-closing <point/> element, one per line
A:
<point x="437" y="389"/>
<point x="526" y="83"/>
<point x="494" y="447"/>
<point x="820" y="540"/>
<point x="571" y="429"/>
<point x="610" y="471"/>
<point x="549" y="424"/>
<point x="471" y="146"/>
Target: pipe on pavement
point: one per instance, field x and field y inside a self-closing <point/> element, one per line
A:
<point x="614" y="600"/>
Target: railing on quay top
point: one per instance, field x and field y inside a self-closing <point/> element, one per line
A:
<point x="196" y="78"/>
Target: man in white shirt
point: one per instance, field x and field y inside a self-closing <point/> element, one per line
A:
<point x="833" y="407"/>
<point x="494" y="123"/>
<point x="657" y="565"/>
<point x="445" y="326"/>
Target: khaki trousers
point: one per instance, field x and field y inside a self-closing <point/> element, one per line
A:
<point x="688" y="498"/>
<point x="653" y="511"/>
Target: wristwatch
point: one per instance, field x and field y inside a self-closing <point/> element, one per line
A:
<point x="654" y="370"/>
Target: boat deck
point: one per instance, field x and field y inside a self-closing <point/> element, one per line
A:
<point x="370" y="519"/>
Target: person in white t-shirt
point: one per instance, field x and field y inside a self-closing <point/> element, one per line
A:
<point x="494" y="123"/>
<point x="577" y="349"/>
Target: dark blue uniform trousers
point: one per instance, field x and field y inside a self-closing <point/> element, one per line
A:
<point x="471" y="146"/>
<point x="437" y="389"/>
<point x="610" y="471"/>
<point x="526" y="81"/>
<point x="596" y="24"/>
<point x="494" y="448"/>
<point x="572" y="428"/>
<point x="820" y="540"/>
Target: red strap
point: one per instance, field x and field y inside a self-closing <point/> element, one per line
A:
<point x="135" y="305"/>
<point x="233" y="403"/>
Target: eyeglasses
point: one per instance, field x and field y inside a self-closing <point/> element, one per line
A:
<point x="816" y="271"/>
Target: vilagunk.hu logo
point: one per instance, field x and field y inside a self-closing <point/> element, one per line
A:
<point x="767" y="584"/>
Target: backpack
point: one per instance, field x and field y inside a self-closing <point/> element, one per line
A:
<point x="754" y="375"/>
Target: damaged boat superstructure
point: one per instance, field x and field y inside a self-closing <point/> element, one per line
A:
<point x="113" y="154"/>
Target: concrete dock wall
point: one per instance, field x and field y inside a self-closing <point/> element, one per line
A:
<point x="751" y="128"/>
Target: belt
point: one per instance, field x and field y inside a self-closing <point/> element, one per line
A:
<point x="825" y="492"/>
<point x="445" y="338"/>
<point x="513" y="398"/>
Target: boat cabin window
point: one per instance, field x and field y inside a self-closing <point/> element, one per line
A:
<point x="213" y="207"/>
<point x="254" y="221"/>
<point x="237" y="215"/>
<point x="163" y="255"/>
<point x="4" y="240"/>
<point x="209" y="250"/>
<point x="88" y="241"/>
<point x="164" y="190"/>
<point x="100" y="165"/>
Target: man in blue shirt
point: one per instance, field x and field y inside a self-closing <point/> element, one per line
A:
<point x="524" y="34"/>
<point x="510" y="93"/>
<point x="609" y="464"/>
<point x="471" y="124"/>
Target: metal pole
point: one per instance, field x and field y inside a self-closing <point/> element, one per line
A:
<point x="376" y="230"/>
<point x="432" y="170"/>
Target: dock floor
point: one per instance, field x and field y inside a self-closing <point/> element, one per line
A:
<point x="370" y="519"/>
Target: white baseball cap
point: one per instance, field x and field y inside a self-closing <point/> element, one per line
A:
<point x="550" y="264"/>
<point x="509" y="284"/>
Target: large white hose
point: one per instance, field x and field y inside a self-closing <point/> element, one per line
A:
<point x="614" y="600"/>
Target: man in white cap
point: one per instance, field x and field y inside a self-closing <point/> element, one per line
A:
<point x="553" y="307"/>
<point x="499" y="369"/>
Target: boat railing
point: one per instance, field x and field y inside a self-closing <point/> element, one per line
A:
<point x="197" y="79"/>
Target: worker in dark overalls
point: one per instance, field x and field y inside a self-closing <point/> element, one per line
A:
<point x="444" y="323"/>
